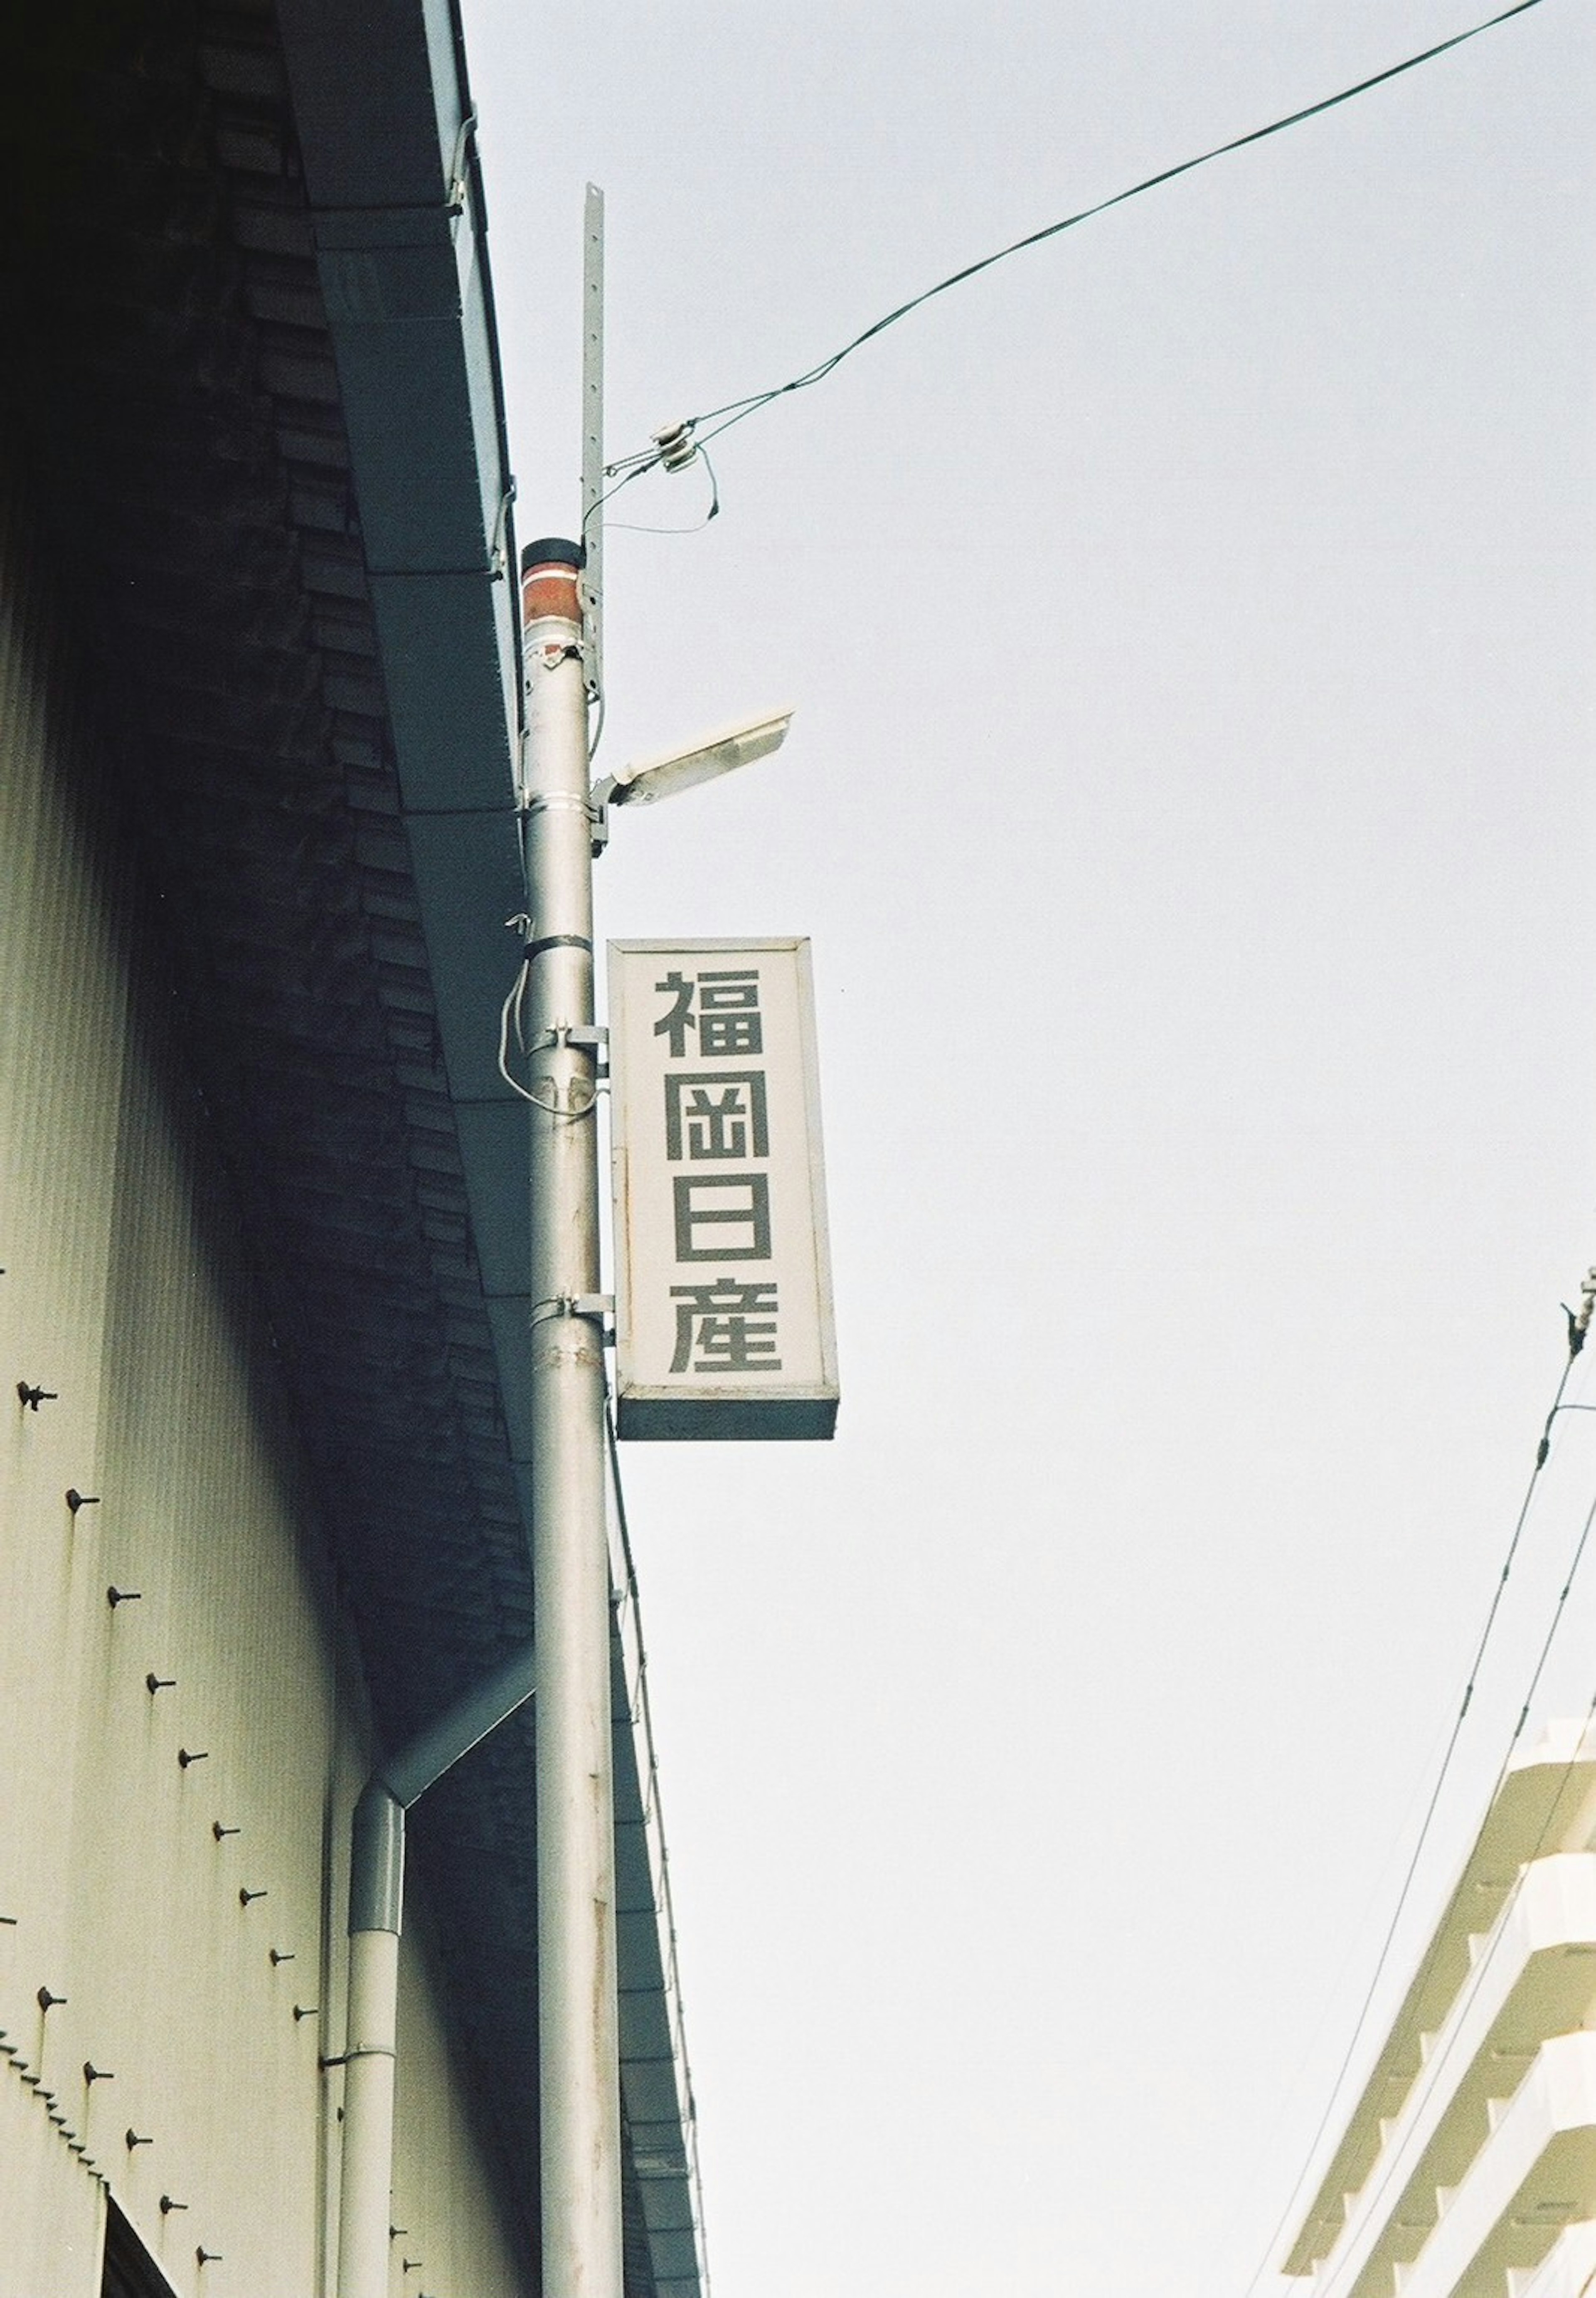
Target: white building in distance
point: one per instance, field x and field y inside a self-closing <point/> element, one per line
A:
<point x="1468" y="2169"/>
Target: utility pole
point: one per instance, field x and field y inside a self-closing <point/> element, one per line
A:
<point x="578" y="2023"/>
<point x="565" y="818"/>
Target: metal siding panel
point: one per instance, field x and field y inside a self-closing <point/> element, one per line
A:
<point x="407" y="408"/>
<point x="128" y="1293"/>
<point x="675" y="2257"/>
<point x="463" y="2250"/>
<point x="373" y="129"/>
<point x="645" y="2026"/>
<point x="444" y="679"/>
<point x="650" y="2089"/>
<point x="634" y="1883"/>
<point x="54" y="2207"/>
<point x="494" y="1146"/>
<point x="482" y="385"/>
<point x="667" y="2206"/>
<point x="469" y="878"/>
<point x="510" y="1316"/>
<point x="637" y="1942"/>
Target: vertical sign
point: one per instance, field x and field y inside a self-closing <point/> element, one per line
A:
<point x="723" y="1282"/>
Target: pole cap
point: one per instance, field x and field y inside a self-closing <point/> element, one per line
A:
<point x="552" y="550"/>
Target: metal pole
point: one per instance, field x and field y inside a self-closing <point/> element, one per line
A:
<point x="593" y="430"/>
<point x="578" y="2045"/>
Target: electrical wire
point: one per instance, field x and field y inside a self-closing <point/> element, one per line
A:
<point x="635" y="466"/>
<point x="511" y="1008"/>
<point x="738" y="410"/>
<point x="627" y="527"/>
<point x="510" y="1012"/>
<point x="1431" y="1806"/>
<point x="597" y="736"/>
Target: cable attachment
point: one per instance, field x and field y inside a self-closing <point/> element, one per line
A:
<point x="455" y="203"/>
<point x="1579" y="1323"/>
<point x="677" y="446"/>
<point x="499" y="552"/>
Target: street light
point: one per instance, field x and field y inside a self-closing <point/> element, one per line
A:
<point x="650" y="780"/>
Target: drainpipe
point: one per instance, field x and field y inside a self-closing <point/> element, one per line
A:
<point x="376" y="1902"/>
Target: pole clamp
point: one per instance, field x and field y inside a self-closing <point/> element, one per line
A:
<point x="582" y="1039"/>
<point x="599" y="1307"/>
<point x="555" y="802"/>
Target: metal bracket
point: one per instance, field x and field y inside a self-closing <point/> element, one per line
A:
<point x="594" y="1040"/>
<point x="454" y="205"/>
<point x="497" y="555"/>
<point x="600" y="1307"/>
<point x="581" y="1040"/>
<point x="592" y="440"/>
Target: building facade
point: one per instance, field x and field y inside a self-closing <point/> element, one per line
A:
<point x="1468" y="2169"/>
<point x="263" y="1224"/>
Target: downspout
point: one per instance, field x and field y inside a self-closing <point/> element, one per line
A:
<point x="375" y="1906"/>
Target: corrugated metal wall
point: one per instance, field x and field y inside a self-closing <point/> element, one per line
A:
<point x="182" y="1748"/>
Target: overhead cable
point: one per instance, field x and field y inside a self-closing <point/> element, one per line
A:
<point x="672" y="447"/>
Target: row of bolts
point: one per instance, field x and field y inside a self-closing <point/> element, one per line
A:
<point x="31" y="1397"/>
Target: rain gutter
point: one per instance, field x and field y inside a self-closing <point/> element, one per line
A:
<point x="376" y="1915"/>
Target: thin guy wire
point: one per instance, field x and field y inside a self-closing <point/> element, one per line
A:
<point x="738" y="410"/>
<point x="1386" y="1944"/>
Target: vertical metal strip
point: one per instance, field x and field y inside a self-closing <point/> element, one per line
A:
<point x="593" y="433"/>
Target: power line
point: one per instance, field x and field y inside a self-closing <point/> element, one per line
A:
<point x="738" y="410"/>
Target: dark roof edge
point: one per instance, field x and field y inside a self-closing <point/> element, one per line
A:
<point x="386" y="132"/>
<point x="386" y="129"/>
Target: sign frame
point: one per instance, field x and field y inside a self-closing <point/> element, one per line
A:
<point x="696" y="1405"/>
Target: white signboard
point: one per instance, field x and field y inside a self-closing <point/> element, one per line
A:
<point x="722" y="1277"/>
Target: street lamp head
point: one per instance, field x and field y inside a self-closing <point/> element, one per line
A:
<point x="650" y="780"/>
<point x="720" y="753"/>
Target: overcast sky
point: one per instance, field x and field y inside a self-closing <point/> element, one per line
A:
<point x="1190" y="626"/>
